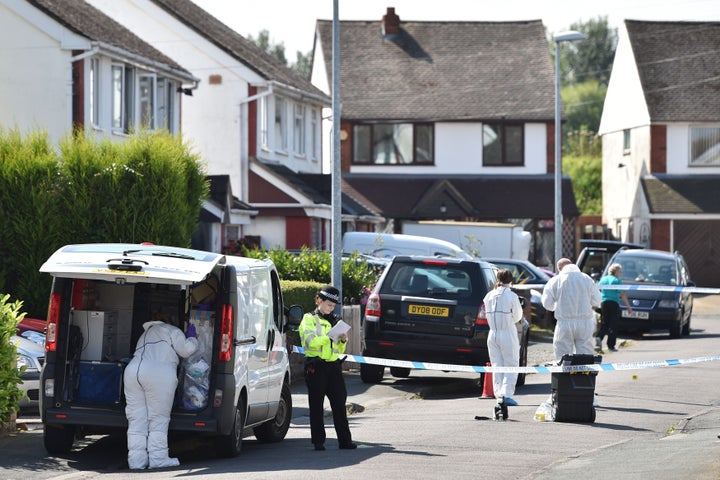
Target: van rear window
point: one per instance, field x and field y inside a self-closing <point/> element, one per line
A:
<point x="446" y="281"/>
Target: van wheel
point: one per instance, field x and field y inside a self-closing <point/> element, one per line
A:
<point x="276" y="429"/>
<point x="230" y="445"/>
<point x="58" y="439"/>
<point x="371" y="373"/>
<point x="400" y="372"/>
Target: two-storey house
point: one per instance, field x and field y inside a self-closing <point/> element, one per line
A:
<point x="67" y="65"/>
<point x="449" y="120"/>
<point x="249" y="115"/>
<point x="660" y="130"/>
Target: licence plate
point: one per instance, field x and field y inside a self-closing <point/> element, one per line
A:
<point x="635" y="314"/>
<point x="428" y="310"/>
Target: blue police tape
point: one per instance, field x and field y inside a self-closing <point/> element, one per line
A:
<point x="596" y="367"/>
<point x="648" y="287"/>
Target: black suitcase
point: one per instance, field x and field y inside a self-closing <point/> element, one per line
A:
<point x="573" y="393"/>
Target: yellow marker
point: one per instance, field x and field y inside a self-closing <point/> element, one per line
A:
<point x="634" y="377"/>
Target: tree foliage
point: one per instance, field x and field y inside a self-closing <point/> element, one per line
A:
<point x="10" y="393"/>
<point x="591" y="58"/>
<point x="302" y="60"/>
<point x="586" y="176"/>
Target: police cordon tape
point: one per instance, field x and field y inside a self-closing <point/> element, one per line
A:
<point x="650" y="287"/>
<point x="595" y="367"/>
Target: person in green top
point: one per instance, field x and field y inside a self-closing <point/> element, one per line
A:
<point x="323" y="369"/>
<point x="610" y="308"/>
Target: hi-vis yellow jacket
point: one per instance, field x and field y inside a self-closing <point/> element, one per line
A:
<point x="313" y="332"/>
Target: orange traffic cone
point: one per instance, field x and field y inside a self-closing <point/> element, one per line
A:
<point x="488" y="391"/>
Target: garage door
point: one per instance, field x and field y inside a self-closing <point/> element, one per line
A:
<point x="699" y="243"/>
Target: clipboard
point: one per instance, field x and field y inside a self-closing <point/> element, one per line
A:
<point x="339" y="328"/>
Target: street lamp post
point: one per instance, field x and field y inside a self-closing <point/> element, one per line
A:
<point x="567" y="36"/>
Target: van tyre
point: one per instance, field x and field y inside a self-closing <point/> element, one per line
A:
<point x="371" y="373"/>
<point x="230" y="445"/>
<point x="400" y="372"/>
<point x="58" y="439"/>
<point x="275" y="430"/>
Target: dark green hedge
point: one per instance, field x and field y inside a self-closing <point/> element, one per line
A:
<point x="147" y="188"/>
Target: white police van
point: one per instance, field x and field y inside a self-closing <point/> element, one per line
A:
<point x="237" y="384"/>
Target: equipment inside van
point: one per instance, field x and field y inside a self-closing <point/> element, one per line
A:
<point x="237" y="383"/>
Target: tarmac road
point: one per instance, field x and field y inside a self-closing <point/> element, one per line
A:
<point x="659" y="423"/>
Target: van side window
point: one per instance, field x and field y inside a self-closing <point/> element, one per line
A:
<point x="277" y="304"/>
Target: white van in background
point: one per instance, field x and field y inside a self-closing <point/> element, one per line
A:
<point x="387" y="245"/>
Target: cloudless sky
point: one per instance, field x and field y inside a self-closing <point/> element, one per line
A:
<point x="292" y="22"/>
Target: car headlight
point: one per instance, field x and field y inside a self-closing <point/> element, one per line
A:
<point x="671" y="303"/>
<point x="24" y="361"/>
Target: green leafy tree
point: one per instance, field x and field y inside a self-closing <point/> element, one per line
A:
<point x="10" y="393"/>
<point x="591" y="58"/>
<point x="586" y="176"/>
<point x="277" y="50"/>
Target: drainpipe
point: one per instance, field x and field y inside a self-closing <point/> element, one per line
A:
<point x="244" y="160"/>
<point x="90" y="53"/>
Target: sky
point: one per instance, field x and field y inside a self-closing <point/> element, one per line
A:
<point x="292" y="22"/>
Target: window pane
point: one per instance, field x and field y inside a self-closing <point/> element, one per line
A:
<point x="280" y="125"/>
<point x="393" y="144"/>
<point x="129" y="100"/>
<point x="299" y="130"/>
<point x="94" y="91"/>
<point x="117" y="97"/>
<point x="704" y="145"/>
<point x="264" y="122"/>
<point x="492" y="146"/>
<point x="424" y="144"/>
<point x="361" y="144"/>
<point x="513" y="145"/>
<point x="147" y="101"/>
<point x="162" y="118"/>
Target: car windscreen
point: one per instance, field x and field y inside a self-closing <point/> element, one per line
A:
<point x="647" y="270"/>
<point x="448" y="281"/>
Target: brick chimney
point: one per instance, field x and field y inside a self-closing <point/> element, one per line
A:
<point x="390" y="23"/>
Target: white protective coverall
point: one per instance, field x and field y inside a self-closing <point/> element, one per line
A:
<point x="503" y="311"/>
<point x="572" y="295"/>
<point x="150" y="383"/>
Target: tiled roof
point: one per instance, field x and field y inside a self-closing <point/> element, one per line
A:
<point x="318" y="187"/>
<point x="443" y="70"/>
<point x="84" y="19"/>
<point x="236" y="45"/>
<point x="680" y="194"/>
<point x="679" y="67"/>
<point x="420" y="197"/>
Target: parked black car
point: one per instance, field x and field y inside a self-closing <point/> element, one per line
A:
<point x="429" y="309"/>
<point x="595" y="255"/>
<point x="655" y="309"/>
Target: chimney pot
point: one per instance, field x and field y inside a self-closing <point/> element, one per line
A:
<point x="390" y="22"/>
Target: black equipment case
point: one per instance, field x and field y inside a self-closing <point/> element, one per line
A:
<point x="573" y="393"/>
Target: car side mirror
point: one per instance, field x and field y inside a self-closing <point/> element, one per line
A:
<point x="294" y="314"/>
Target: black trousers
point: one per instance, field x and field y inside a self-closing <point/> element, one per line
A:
<point x="610" y="312"/>
<point x="326" y="379"/>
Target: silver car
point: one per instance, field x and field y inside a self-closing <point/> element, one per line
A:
<point x="30" y="354"/>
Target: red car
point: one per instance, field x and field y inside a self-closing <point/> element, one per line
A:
<point x="34" y="324"/>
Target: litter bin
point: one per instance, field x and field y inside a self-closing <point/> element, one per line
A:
<point x="573" y="393"/>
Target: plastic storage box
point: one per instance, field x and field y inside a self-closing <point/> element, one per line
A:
<point x="573" y="392"/>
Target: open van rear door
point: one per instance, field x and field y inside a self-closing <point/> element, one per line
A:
<point x="132" y="263"/>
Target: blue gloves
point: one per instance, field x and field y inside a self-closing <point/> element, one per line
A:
<point x="190" y="333"/>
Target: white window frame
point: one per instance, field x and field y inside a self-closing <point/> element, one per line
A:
<point x="95" y="83"/>
<point x="299" y="129"/>
<point x="281" y="133"/>
<point x="704" y="152"/>
<point x="313" y="134"/>
<point x="264" y="123"/>
<point x="117" y="82"/>
<point x="146" y="101"/>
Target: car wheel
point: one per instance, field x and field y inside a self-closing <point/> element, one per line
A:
<point x="276" y="429"/>
<point x="58" y="439"/>
<point x="371" y="373"/>
<point x="686" y="327"/>
<point x="230" y="445"/>
<point x="400" y="372"/>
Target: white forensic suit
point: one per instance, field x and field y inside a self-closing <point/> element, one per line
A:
<point x="150" y="383"/>
<point x="572" y="295"/>
<point x="503" y="311"/>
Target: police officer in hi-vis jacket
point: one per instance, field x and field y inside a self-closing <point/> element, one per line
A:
<point x="323" y="369"/>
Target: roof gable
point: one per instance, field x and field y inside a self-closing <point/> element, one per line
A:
<point x="235" y="45"/>
<point x="679" y="68"/>
<point x="84" y="19"/>
<point x="443" y="70"/>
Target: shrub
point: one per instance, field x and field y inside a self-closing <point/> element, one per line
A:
<point x="10" y="393"/>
